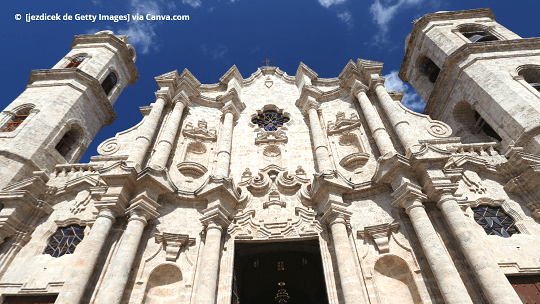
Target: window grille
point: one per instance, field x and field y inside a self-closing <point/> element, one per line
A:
<point x="64" y="241"/>
<point x="76" y="62"/>
<point x="270" y="120"/>
<point x="66" y="142"/>
<point x="15" y="123"/>
<point x="479" y="36"/>
<point x="109" y="83"/>
<point x="482" y="125"/>
<point x="495" y="221"/>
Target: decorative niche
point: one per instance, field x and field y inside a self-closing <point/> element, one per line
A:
<point x="345" y="133"/>
<point x="198" y="141"/>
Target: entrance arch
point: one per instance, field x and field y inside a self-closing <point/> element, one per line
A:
<point x="260" y="266"/>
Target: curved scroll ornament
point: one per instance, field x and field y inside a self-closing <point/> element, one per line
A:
<point x="108" y="147"/>
<point x="439" y="129"/>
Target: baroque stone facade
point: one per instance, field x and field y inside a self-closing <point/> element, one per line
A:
<point x="400" y="207"/>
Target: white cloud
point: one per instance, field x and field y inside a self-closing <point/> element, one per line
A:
<point x="410" y="99"/>
<point x="192" y="3"/>
<point x="346" y="18"/>
<point x="328" y="3"/>
<point x="216" y="53"/>
<point x="383" y="13"/>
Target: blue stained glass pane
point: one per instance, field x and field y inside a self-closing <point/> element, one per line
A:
<point x="494" y="221"/>
<point x="64" y="241"/>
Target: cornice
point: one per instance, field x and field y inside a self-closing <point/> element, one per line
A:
<point x="120" y="45"/>
<point x="462" y="53"/>
<point x="421" y="23"/>
<point x="36" y="76"/>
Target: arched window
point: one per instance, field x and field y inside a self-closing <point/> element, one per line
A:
<point x="64" y="241"/>
<point x="430" y="69"/>
<point x="109" y="83"/>
<point x="270" y="120"/>
<point x="482" y="125"/>
<point x="76" y="62"/>
<point x="66" y="143"/>
<point x="495" y="221"/>
<point x="17" y="120"/>
<point x="532" y="76"/>
<point x="477" y="34"/>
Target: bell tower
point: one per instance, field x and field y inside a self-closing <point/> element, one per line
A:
<point x="56" y="117"/>
<point x="477" y="76"/>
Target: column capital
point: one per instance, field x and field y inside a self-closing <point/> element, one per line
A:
<point x="143" y="209"/>
<point x="374" y="82"/>
<point x="230" y="108"/>
<point x="336" y="215"/>
<point x="216" y="217"/>
<point x="358" y="87"/>
<point x="108" y="212"/>
<point x="438" y="188"/>
<point x="311" y="103"/>
<point x="181" y="98"/>
<point x="164" y="94"/>
<point x="408" y="196"/>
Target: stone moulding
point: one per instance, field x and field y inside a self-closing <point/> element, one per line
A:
<point x="172" y="242"/>
<point x="191" y="169"/>
<point x="354" y="160"/>
<point x="380" y="234"/>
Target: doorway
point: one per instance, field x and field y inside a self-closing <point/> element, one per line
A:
<point x="260" y="267"/>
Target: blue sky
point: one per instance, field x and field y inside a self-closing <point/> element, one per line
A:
<point x="324" y="34"/>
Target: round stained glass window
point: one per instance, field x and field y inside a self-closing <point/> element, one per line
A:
<point x="270" y="120"/>
<point x="494" y="221"/>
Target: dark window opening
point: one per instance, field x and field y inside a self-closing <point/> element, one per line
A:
<point x="495" y="221"/>
<point x="482" y="125"/>
<point x="109" y="83"/>
<point x="280" y="265"/>
<point x="430" y="69"/>
<point x="532" y="76"/>
<point x="75" y="62"/>
<point x="43" y="299"/>
<point x="479" y="36"/>
<point x="65" y="144"/>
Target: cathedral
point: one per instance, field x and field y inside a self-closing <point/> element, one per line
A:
<point x="280" y="188"/>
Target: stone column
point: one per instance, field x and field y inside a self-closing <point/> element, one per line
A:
<point x="378" y="131"/>
<point x="450" y="284"/>
<point x="319" y="144"/>
<point x="225" y="145"/>
<point x="493" y="282"/>
<point x="164" y="146"/>
<point x="207" y="280"/>
<point x="82" y="269"/>
<point x="116" y="280"/>
<point x="146" y="133"/>
<point x="348" y="274"/>
<point x="395" y="115"/>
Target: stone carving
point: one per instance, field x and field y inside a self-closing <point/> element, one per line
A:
<point x="272" y="151"/>
<point x="268" y="82"/>
<point x="351" y="148"/>
<point x="246" y="174"/>
<point x="81" y="201"/>
<point x="380" y="234"/>
<point x="172" y="242"/>
<point x="271" y="137"/>
<point x="343" y="124"/>
<point x="200" y="132"/>
<point x="108" y="147"/>
<point x="193" y="159"/>
<point x="246" y="227"/>
<point x="473" y="181"/>
<point x="439" y="129"/>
